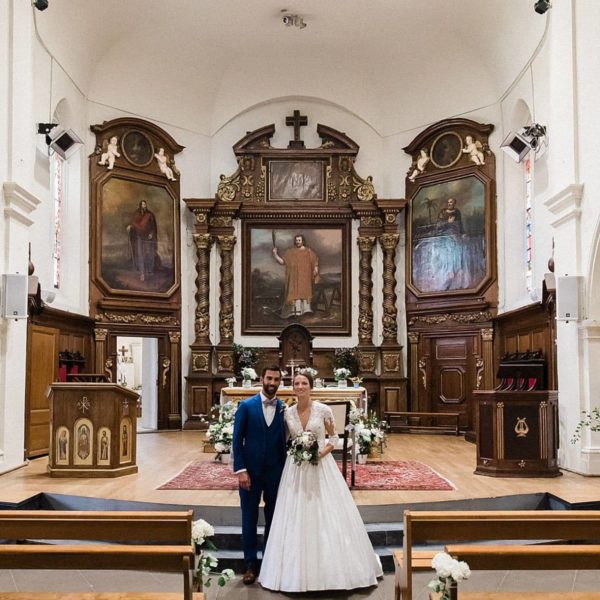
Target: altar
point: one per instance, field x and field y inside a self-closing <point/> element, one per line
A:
<point x="358" y="395"/>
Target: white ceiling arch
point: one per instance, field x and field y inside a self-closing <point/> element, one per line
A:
<point x="397" y="64"/>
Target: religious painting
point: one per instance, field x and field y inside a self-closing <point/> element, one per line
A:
<point x="296" y="180"/>
<point x="125" y="432"/>
<point x="446" y="150"/>
<point x="137" y="148"/>
<point x="138" y="242"/>
<point x="61" y="452"/>
<point x="103" y="446"/>
<point x="296" y="274"/>
<point x="449" y="240"/>
<point x="83" y="442"/>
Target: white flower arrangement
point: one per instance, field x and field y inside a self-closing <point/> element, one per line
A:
<point x="304" y="448"/>
<point x="206" y="563"/>
<point x="449" y="571"/>
<point x="341" y="373"/>
<point x="248" y="374"/>
<point x="308" y="371"/>
<point x="220" y="431"/>
<point x="231" y="380"/>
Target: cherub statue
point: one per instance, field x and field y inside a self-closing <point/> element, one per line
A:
<point x="110" y="152"/>
<point x="475" y="150"/>
<point x="420" y="164"/>
<point x="163" y="164"/>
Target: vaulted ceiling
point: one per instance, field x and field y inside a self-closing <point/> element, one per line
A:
<point x="397" y="64"/>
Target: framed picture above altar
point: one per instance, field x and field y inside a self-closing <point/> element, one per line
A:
<point x="296" y="274"/>
<point x="449" y="228"/>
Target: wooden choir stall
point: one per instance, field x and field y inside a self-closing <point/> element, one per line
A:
<point x="92" y="430"/>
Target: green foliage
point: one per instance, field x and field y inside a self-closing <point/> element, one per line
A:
<point x="346" y="358"/>
<point x="245" y="356"/>
<point x="591" y="421"/>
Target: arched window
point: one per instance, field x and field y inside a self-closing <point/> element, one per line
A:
<point x="58" y="172"/>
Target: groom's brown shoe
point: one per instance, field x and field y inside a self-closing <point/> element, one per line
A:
<point x="249" y="576"/>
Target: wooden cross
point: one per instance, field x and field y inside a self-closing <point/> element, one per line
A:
<point x="296" y="121"/>
<point x="123" y="351"/>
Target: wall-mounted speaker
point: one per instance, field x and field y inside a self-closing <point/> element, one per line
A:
<point x="14" y="296"/>
<point x="568" y="298"/>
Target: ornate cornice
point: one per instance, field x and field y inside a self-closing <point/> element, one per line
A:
<point x="472" y="317"/>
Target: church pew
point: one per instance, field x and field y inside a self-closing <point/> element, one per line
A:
<point x="119" y="540"/>
<point x="443" y="527"/>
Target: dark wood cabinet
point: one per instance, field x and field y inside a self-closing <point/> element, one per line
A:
<point x="517" y="433"/>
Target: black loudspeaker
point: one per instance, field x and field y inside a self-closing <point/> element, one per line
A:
<point x="40" y="4"/>
<point x="568" y="298"/>
<point x="14" y="296"/>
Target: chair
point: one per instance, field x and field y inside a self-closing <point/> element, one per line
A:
<point x="341" y="416"/>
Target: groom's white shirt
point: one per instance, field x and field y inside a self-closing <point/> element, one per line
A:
<point x="268" y="413"/>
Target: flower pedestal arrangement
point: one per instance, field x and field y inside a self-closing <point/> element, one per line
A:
<point x="206" y="563"/>
<point x="449" y="572"/>
<point x="361" y="459"/>
<point x="341" y="376"/>
<point x="220" y="431"/>
<point x="225" y="457"/>
<point x="248" y="374"/>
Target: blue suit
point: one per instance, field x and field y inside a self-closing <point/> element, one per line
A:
<point x="261" y="451"/>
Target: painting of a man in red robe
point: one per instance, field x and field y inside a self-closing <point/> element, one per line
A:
<point x="142" y="241"/>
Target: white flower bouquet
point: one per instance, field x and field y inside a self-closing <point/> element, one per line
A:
<point x="341" y="373"/>
<point x="220" y="431"/>
<point x="308" y="371"/>
<point x="449" y="571"/>
<point x="230" y="381"/>
<point x="248" y="374"/>
<point x="206" y="563"/>
<point x="304" y="448"/>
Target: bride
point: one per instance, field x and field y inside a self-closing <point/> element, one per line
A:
<point x="317" y="539"/>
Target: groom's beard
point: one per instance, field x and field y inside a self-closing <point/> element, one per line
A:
<point x="269" y="389"/>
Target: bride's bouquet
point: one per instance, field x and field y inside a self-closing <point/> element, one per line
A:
<point x="304" y="448"/>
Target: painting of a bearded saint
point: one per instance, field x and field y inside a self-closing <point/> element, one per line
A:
<point x="138" y="245"/>
<point x="296" y="275"/>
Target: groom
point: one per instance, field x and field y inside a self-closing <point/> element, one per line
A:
<point x="259" y="454"/>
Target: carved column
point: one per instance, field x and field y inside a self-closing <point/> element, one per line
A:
<point x="100" y="338"/>
<point x="390" y="355"/>
<point x="225" y="349"/>
<point x="487" y="345"/>
<point x="413" y="339"/>
<point x="171" y="375"/>
<point x="203" y="243"/>
<point x="367" y="360"/>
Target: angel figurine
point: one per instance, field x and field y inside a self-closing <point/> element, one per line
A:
<point x="163" y="164"/>
<point x="111" y="151"/>
<point x="420" y="164"/>
<point x="475" y="150"/>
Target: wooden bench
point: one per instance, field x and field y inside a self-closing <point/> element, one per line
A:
<point x="450" y="527"/>
<point x="399" y="420"/>
<point x="122" y="540"/>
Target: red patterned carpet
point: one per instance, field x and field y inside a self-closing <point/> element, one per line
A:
<point x="375" y="475"/>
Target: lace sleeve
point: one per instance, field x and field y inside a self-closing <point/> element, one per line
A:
<point x="330" y="427"/>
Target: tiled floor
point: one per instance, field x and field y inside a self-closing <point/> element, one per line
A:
<point x="123" y="581"/>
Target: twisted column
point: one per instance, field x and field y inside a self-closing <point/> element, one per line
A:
<point x="226" y="244"/>
<point x="203" y="243"/>
<point x="388" y="242"/>
<point x="365" y="290"/>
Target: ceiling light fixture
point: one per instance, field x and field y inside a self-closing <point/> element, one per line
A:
<point x="293" y="20"/>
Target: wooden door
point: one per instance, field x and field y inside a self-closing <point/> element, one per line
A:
<point x="452" y="375"/>
<point x="42" y="370"/>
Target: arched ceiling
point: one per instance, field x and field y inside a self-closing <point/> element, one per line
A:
<point x="397" y="64"/>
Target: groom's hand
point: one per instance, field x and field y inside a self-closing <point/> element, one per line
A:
<point x="244" y="480"/>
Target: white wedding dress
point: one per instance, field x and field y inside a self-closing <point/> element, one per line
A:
<point x="317" y="539"/>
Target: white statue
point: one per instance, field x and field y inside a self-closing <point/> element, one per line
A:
<point x="421" y="164"/>
<point x="111" y="151"/>
<point x="163" y="164"/>
<point x="474" y="149"/>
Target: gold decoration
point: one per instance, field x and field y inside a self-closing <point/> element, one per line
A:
<point x="100" y="335"/>
<point x="391" y="362"/>
<point x="521" y="428"/>
<point x="247" y="186"/>
<point x="108" y="366"/>
<point x="260" y="189"/>
<point x="327" y="144"/>
<point x="83" y="404"/>
<point x="228" y="187"/>
<point x="423" y="369"/>
<point x="390" y="218"/>
<point x="366" y="362"/>
<point x="166" y="367"/>
<point x="487" y="334"/>
<point x="220" y="221"/>
<point x="371" y="221"/>
<point x="174" y="337"/>
<point x="364" y="188"/>
<point x="137" y="318"/>
<point x="413" y="337"/>
<point x="522" y="463"/>
<point x="474" y="317"/>
<point x="331" y="191"/>
<point x="203" y="241"/>
<point x="366" y="243"/>
<point x="479" y="366"/>
<point x="224" y="361"/>
<point x="226" y="242"/>
<point x="200" y="361"/>
<point x="200" y="216"/>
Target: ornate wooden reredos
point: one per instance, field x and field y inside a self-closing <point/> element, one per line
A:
<point x="134" y="249"/>
<point x="258" y="194"/>
<point x="451" y="282"/>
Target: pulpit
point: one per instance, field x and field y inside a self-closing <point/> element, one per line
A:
<point x="92" y="430"/>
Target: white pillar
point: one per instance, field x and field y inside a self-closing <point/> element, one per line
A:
<point x="18" y="205"/>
